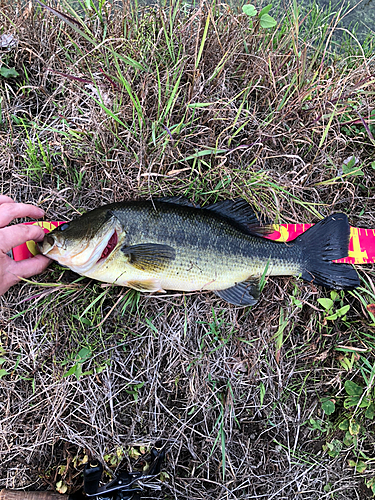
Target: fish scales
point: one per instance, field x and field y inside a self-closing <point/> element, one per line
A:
<point x="170" y="245"/>
<point x="210" y="253"/>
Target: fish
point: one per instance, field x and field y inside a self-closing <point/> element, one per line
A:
<point x="171" y="244"/>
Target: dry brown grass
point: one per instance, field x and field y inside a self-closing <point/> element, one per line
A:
<point x="208" y="370"/>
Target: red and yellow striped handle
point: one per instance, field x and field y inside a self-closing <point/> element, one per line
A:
<point x="361" y="245"/>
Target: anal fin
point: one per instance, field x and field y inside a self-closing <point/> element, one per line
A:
<point x="243" y="294"/>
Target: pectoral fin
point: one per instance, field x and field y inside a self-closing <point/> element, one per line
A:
<point x="245" y="293"/>
<point x="149" y="256"/>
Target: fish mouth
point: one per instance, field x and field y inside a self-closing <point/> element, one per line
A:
<point x="47" y="244"/>
<point x="111" y="245"/>
<point x="80" y="256"/>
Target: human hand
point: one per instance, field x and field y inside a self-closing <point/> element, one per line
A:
<point x="10" y="271"/>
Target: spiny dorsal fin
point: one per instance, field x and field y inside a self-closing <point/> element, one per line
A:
<point x="178" y="200"/>
<point x="245" y="293"/>
<point x="149" y="256"/>
<point x="240" y="214"/>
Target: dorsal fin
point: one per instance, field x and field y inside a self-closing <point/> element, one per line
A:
<point x="240" y="214"/>
<point x="178" y="200"/>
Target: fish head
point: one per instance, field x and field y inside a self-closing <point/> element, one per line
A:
<point x="83" y="242"/>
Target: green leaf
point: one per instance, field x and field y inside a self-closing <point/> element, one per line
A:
<point x="61" y="487"/>
<point x="199" y="105"/>
<point x="333" y="448"/>
<point x="71" y="371"/>
<point x="348" y="440"/>
<point x="365" y="402"/>
<point x="83" y="320"/>
<point x="78" y="371"/>
<point x="343" y="310"/>
<point x="334" y="295"/>
<point x="297" y="302"/>
<point x="350" y="163"/>
<point x="328" y="406"/>
<point x="8" y="72"/>
<point x="267" y="21"/>
<point x="344" y="425"/>
<point x="361" y="466"/>
<point x="326" y="303"/>
<point x="370" y="483"/>
<point x="346" y="363"/>
<point x="370" y="412"/>
<point x="83" y="354"/>
<point x="3" y="373"/>
<point x="351" y="401"/>
<point x="353" y="389"/>
<point x="133" y="393"/>
<point x="351" y="168"/>
<point x="354" y="428"/>
<point x="332" y="317"/>
<point x="249" y="10"/>
<point x="204" y="37"/>
<point x="262" y="393"/>
<point x="205" y="152"/>
<point x="164" y="476"/>
<point x="265" y="10"/>
<point x="316" y="425"/>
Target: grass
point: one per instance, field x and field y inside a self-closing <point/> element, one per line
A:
<point x="104" y="104"/>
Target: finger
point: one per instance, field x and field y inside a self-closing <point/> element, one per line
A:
<point x="5" y="199"/>
<point x="10" y="211"/>
<point x="29" y="267"/>
<point x="12" y="236"/>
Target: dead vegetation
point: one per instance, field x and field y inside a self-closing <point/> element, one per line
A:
<point x="180" y="100"/>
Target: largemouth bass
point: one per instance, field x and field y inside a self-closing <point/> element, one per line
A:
<point x="171" y="245"/>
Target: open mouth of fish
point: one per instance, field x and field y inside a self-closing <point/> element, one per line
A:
<point x="86" y="258"/>
<point x="111" y="245"/>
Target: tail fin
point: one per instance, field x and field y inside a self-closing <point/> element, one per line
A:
<point x="324" y="242"/>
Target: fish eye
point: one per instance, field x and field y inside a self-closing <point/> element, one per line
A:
<point x="64" y="226"/>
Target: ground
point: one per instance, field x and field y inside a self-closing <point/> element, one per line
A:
<point x="268" y="402"/>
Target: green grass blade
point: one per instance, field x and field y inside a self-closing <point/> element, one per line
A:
<point x="203" y="41"/>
